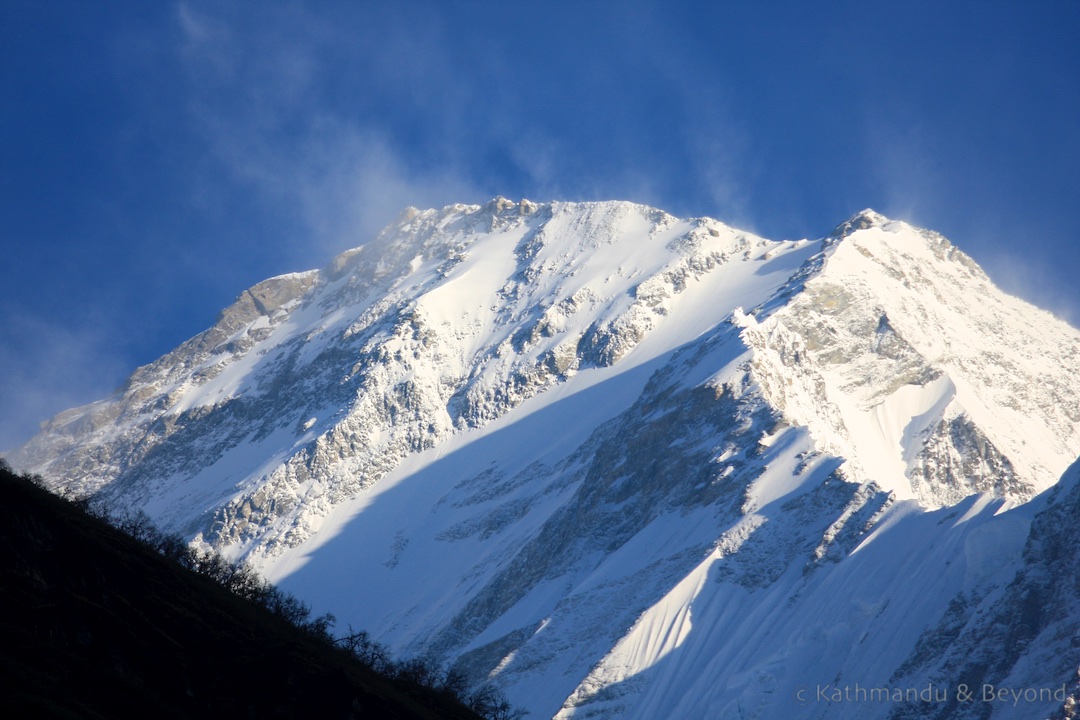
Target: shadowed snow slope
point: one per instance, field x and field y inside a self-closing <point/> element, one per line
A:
<point x="630" y="465"/>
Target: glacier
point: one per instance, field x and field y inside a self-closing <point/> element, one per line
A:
<point x="627" y="465"/>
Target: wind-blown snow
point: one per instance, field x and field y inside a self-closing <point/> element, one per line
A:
<point x="624" y="464"/>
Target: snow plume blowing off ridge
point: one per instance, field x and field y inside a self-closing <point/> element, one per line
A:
<point x="627" y="465"/>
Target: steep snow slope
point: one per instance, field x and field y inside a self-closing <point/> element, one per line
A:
<point x="627" y="465"/>
<point x="911" y="363"/>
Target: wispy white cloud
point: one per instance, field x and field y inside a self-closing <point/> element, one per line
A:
<point x="1019" y="273"/>
<point x="915" y="186"/>
<point x="902" y="166"/>
<point x="722" y="169"/>
<point x="258" y="96"/>
<point x="353" y="183"/>
<point x="47" y="366"/>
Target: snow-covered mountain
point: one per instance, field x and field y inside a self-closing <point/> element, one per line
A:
<point x="634" y="466"/>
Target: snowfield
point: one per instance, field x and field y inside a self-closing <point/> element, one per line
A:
<point x="626" y="465"/>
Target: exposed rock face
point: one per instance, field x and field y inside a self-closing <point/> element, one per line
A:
<point x="627" y="465"/>
<point x="1023" y="638"/>
<point x="898" y="319"/>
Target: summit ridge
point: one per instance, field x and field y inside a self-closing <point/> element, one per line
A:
<point x="623" y="464"/>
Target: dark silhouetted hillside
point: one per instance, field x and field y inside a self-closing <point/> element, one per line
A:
<point x="94" y="624"/>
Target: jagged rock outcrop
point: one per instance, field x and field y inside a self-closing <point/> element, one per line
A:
<point x="622" y="463"/>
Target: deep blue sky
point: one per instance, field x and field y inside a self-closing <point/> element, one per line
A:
<point x="158" y="158"/>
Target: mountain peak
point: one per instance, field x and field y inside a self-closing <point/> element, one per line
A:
<point x="529" y="428"/>
<point x="499" y="204"/>
<point x="861" y="220"/>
